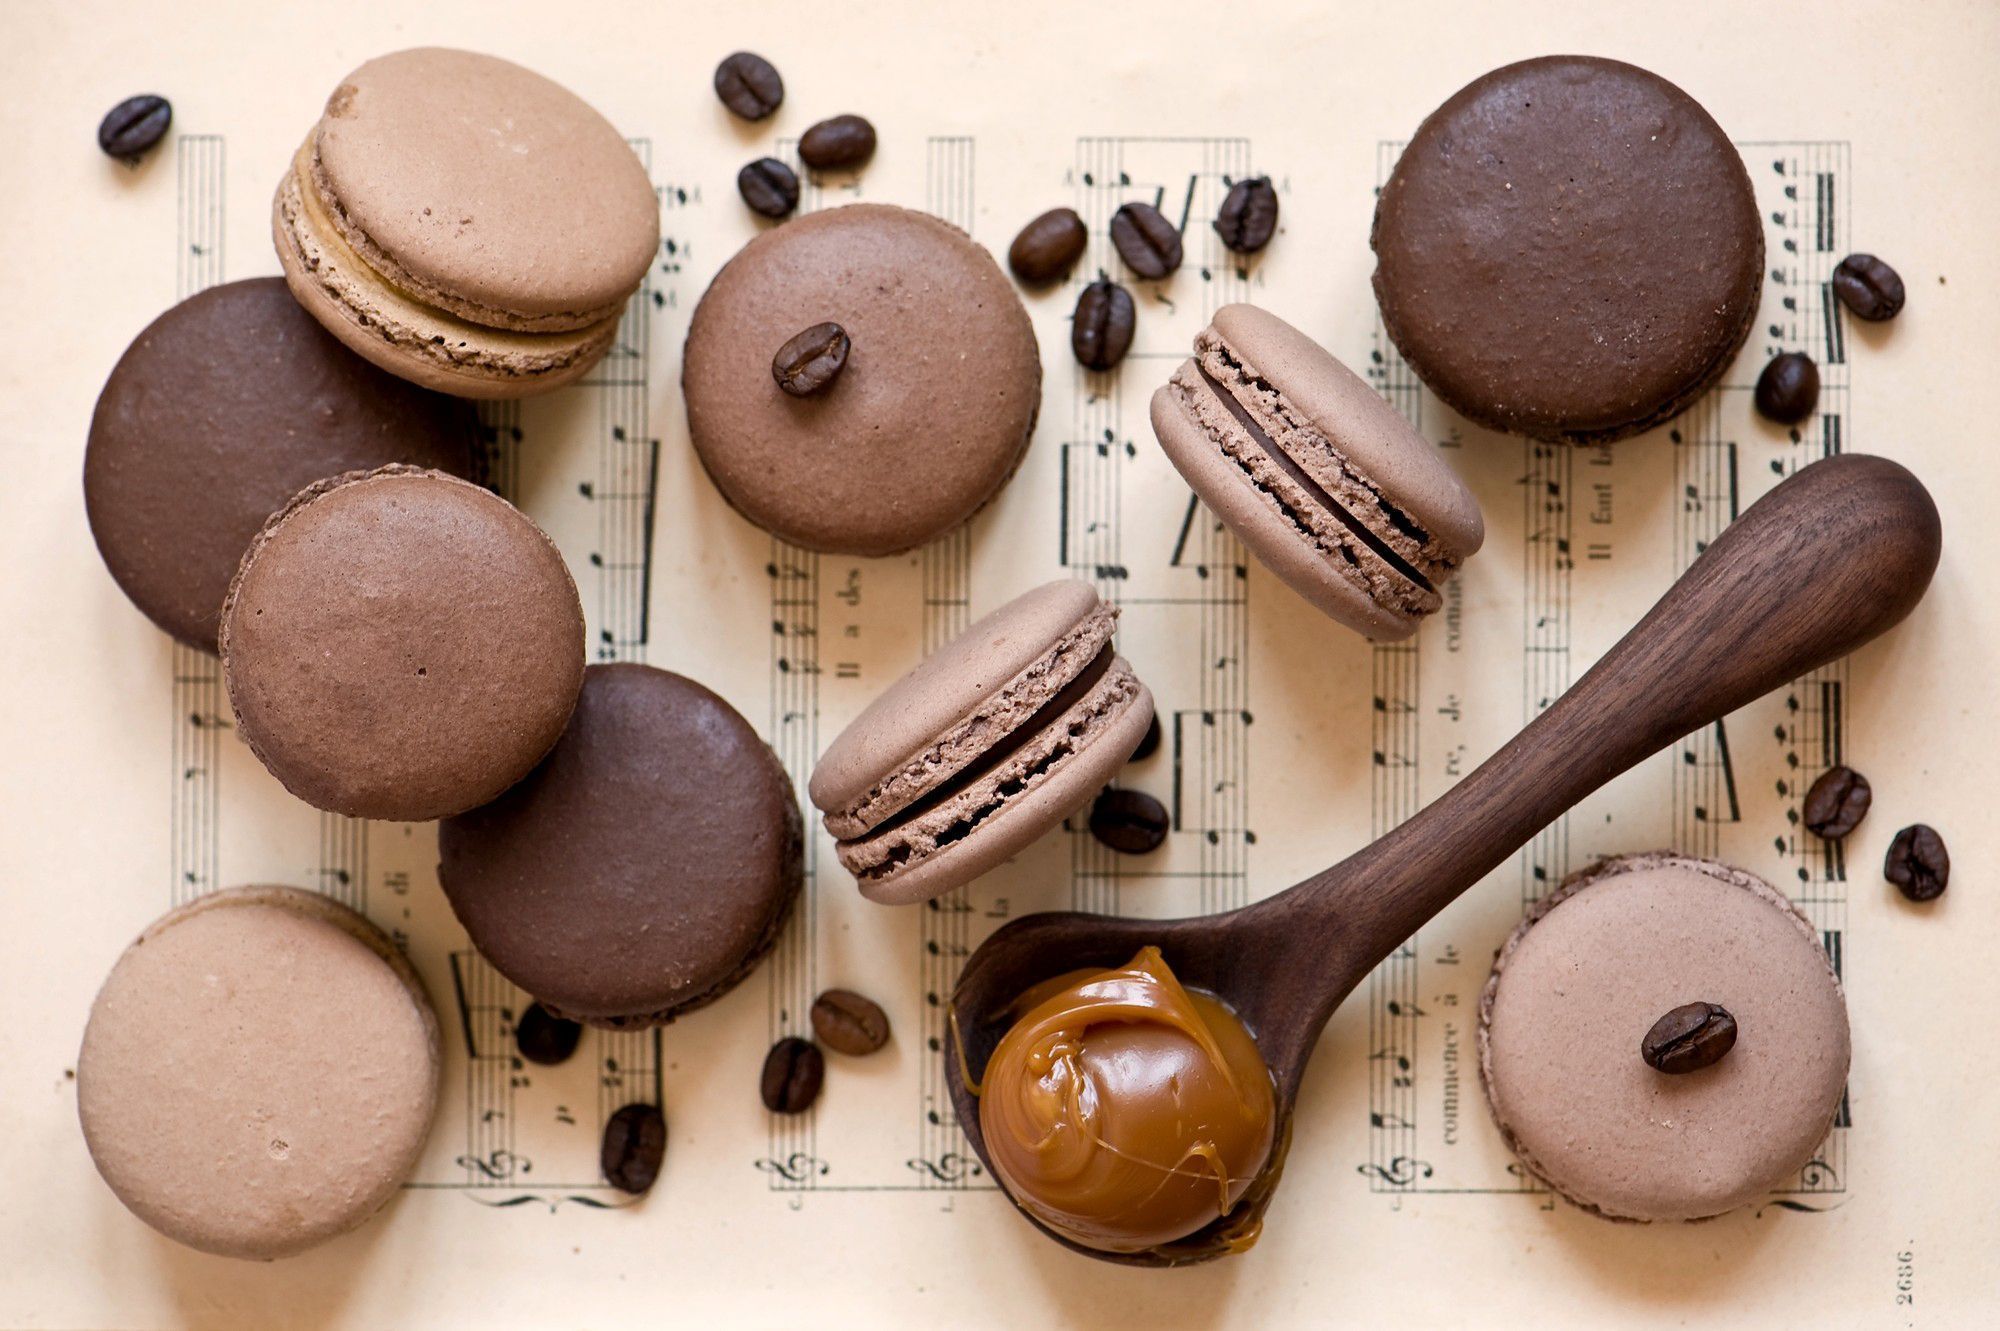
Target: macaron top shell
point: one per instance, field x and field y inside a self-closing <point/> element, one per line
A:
<point x="1584" y="978"/>
<point x="401" y="644"/>
<point x="259" y="1072"/>
<point x="218" y="413"/>
<point x="644" y="867"/>
<point x="486" y="188"/>
<point x="1569" y="247"/>
<point x="930" y="416"/>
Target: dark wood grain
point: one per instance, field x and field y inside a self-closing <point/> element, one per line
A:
<point x="1830" y="558"/>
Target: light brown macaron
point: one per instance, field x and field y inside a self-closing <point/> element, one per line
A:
<point x="466" y="223"/>
<point x="1583" y="979"/>
<point x="1316" y="473"/>
<point x="988" y="743"/>
<point x="931" y="414"/>
<point x="259" y="1072"/>
<point x="401" y="644"/>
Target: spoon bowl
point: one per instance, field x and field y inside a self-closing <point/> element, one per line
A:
<point x="1833" y="556"/>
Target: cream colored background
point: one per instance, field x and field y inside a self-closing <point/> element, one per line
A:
<point x="1315" y="87"/>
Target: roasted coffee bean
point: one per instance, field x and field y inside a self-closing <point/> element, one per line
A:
<point x="793" y="1071"/>
<point x="1788" y="389"/>
<point x="1837" y="803"/>
<point x="1149" y="744"/>
<point x="749" y="85"/>
<point x="1146" y="240"/>
<point x="1048" y="247"/>
<point x="635" y="1142"/>
<point x="1129" y="821"/>
<point x="1248" y="217"/>
<point x="1100" y="332"/>
<point x="811" y="360"/>
<point x="543" y="1037"/>
<point x="1689" y="1038"/>
<point x="134" y="125"/>
<point x="847" y="1023"/>
<point x="841" y="143"/>
<point x="1869" y="288"/>
<point x="769" y="187"/>
<point x="1918" y="863"/>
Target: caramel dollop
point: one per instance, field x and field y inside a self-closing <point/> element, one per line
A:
<point x="1124" y="1110"/>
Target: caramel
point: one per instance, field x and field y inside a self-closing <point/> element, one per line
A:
<point x="1123" y="1110"/>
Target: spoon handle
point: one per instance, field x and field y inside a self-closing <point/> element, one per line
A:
<point x="1830" y="558"/>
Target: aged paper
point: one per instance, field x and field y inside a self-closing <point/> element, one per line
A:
<point x="1290" y="742"/>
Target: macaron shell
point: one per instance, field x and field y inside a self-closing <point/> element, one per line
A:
<point x="401" y="644"/>
<point x="486" y="189"/>
<point x="259" y="1073"/>
<point x="1101" y="749"/>
<point x="928" y="420"/>
<point x="1585" y="977"/>
<point x="218" y="413"/>
<point x="1265" y="531"/>
<point x="1363" y="425"/>
<point x="414" y="341"/>
<point x="998" y="662"/>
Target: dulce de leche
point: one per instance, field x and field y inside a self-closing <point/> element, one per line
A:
<point x="1124" y="1110"/>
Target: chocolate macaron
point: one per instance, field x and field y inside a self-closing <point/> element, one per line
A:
<point x="466" y="223"/>
<point x="218" y="413"/>
<point x="1569" y="248"/>
<point x="926" y="420"/>
<point x="644" y="868"/>
<point x="1616" y="1119"/>
<point x="259" y="1072"/>
<point x="1316" y="473"/>
<point x="988" y="743"/>
<point x="401" y="644"/>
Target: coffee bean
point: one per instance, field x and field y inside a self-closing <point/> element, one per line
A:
<point x="1691" y="1037"/>
<point x="1149" y="744"/>
<point x="1100" y="333"/>
<point x="1146" y="240"/>
<point x="635" y="1142"/>
<point x="1788" y="389"/>
<point x="811" y="360"/>
<point x="1869" y="288"/>
<point x="749" y="85"/>
<point x="841" y="143"/>
<point x="1129" y="821"/>
<point x="134" y="125"/>
<point x="1837" y="803"/>
<point x="793" y="1071"/>
<point x="769" y="187"/>
<point x="847" y="1023"/>
<point x="543" y="1037"/>
<point x="1918" y="863"/>
<point x="1248" y="217"/>
<point x="1048" y="247"/>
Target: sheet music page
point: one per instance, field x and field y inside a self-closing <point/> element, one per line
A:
<point x="1290" y="742"/>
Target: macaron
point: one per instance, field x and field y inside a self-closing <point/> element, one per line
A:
<point x="1316" y="473"/>
<point x="926" y="421"/>
<point x="401" y="644"/>
<point x="218" y="413"/>
<point x="988" y="743"/>
<point x="644" y="868"/>
<point x="1569" y="248"/>
<point x="259" y="1072"/>
<point x="1578" y="989"/>
<point x="466" y="223"/>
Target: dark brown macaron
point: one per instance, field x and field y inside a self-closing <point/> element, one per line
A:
<point x="401" y="644"/>
<point x="644" y="868"/>
<point x="1569" y="249"/>
<point x="218" y="413"/>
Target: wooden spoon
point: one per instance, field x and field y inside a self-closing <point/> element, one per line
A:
<point x="1830" y="558"/>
